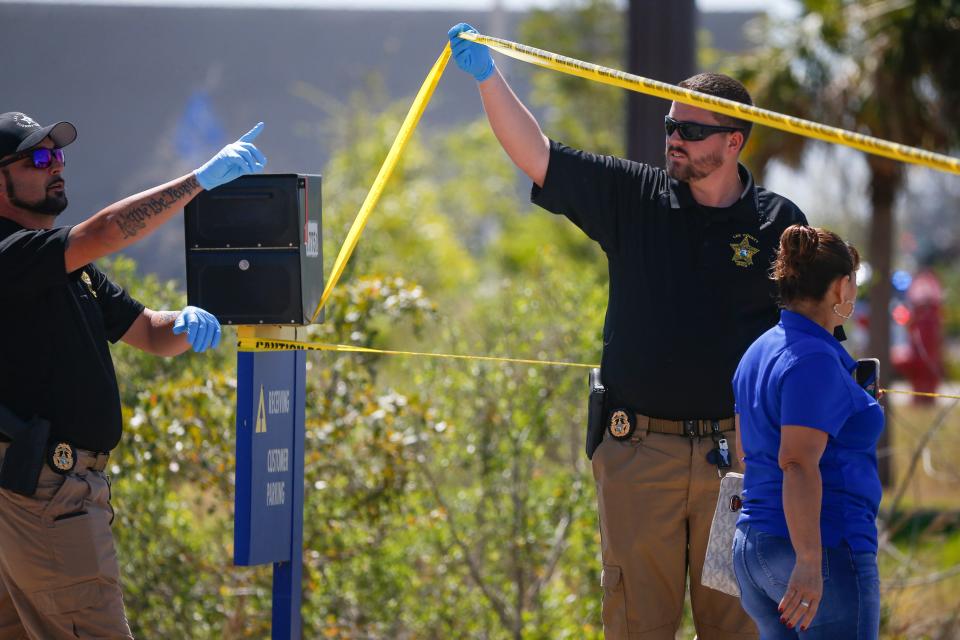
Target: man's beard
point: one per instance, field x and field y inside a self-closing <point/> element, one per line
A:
<point x="695" y="168"/>
<point x="50" y="205"/>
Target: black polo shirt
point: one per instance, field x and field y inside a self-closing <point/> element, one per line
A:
<point x="689" y="285"/>
<point x="54" y="358"/>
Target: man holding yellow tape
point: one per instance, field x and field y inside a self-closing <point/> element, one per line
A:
<point x="689" y="250"/>
<point x="59" y="576"/>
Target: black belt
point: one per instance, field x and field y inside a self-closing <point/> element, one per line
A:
<point x="63" y="457"/>
<point x="622" y="427"/>
<point x="689" y="428"/>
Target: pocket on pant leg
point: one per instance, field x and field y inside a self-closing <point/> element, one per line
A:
<point x="614" y="603"/>
<point x="74" y="546"/>
<point x="90" y="609"/>
<point x="81" y="541"/>
<point x="75" y="597"/>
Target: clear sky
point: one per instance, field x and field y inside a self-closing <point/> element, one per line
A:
<point x="781" y="7"/>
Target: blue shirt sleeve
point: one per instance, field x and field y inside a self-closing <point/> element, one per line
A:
<point x="814" y="393"/>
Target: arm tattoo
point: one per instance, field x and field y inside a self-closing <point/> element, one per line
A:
<point x="133" y="218"/>
<point x="162" y="318"/>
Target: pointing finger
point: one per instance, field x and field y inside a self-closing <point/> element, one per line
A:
<point x="251" y="135"/>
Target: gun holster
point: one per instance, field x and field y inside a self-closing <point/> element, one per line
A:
<point x="26" y="454"/>
<point x="595" y="412"/>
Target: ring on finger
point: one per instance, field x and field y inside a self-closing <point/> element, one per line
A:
<point x="804" y="603"/>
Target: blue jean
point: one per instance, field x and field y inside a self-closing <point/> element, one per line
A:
<point x="849" y="609"/>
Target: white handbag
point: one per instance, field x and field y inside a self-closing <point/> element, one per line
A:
<point x="718" y="563"/>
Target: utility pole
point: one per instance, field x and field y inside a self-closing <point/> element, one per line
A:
<point x="498" y="26"/>
<point x="661" y="45"/>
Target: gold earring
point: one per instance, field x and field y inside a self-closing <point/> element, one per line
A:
<point x="836" y="309"/>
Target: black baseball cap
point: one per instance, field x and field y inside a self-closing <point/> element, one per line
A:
<point x="19" y="132"/>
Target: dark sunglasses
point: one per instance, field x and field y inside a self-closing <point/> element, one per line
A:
<point x="694" y="131"/>
<point x="42" y="157"/>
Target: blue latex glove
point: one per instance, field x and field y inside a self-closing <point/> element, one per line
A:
<point x="203" y="330"/>
<point x="472" y="57"/>
<point x="234" y="160"/>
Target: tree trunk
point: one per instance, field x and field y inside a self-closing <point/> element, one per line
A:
<point x="886" y="176"/>
<point x="661" y="45"/>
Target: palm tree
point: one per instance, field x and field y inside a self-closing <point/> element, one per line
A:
<point x="888" y="68"/>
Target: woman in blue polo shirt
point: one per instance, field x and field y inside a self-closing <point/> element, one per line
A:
<point x="805" y="551"/>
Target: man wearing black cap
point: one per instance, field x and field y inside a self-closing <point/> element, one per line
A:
<point x="59" y="576"/>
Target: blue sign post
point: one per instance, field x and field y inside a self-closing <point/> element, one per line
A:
<point x="268" y="520"/>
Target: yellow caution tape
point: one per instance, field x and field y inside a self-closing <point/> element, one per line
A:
<point x="604" y="75"/>
<point x="270" y="344"/>
<point x="260" y="345"/>
<point x="925" y="394"/>
<point x="254" y="344"/>
<point x="625" y="80"/>
<point x="386" y="170"/>
<point x="799" y="126"/>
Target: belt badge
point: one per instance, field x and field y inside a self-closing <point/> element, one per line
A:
<point x="62" y="458"/>
<point x="621" y="427"/>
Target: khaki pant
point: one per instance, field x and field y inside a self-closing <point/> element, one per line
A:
<point x="657" y="494"/>
<point x="59" y="576"/>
